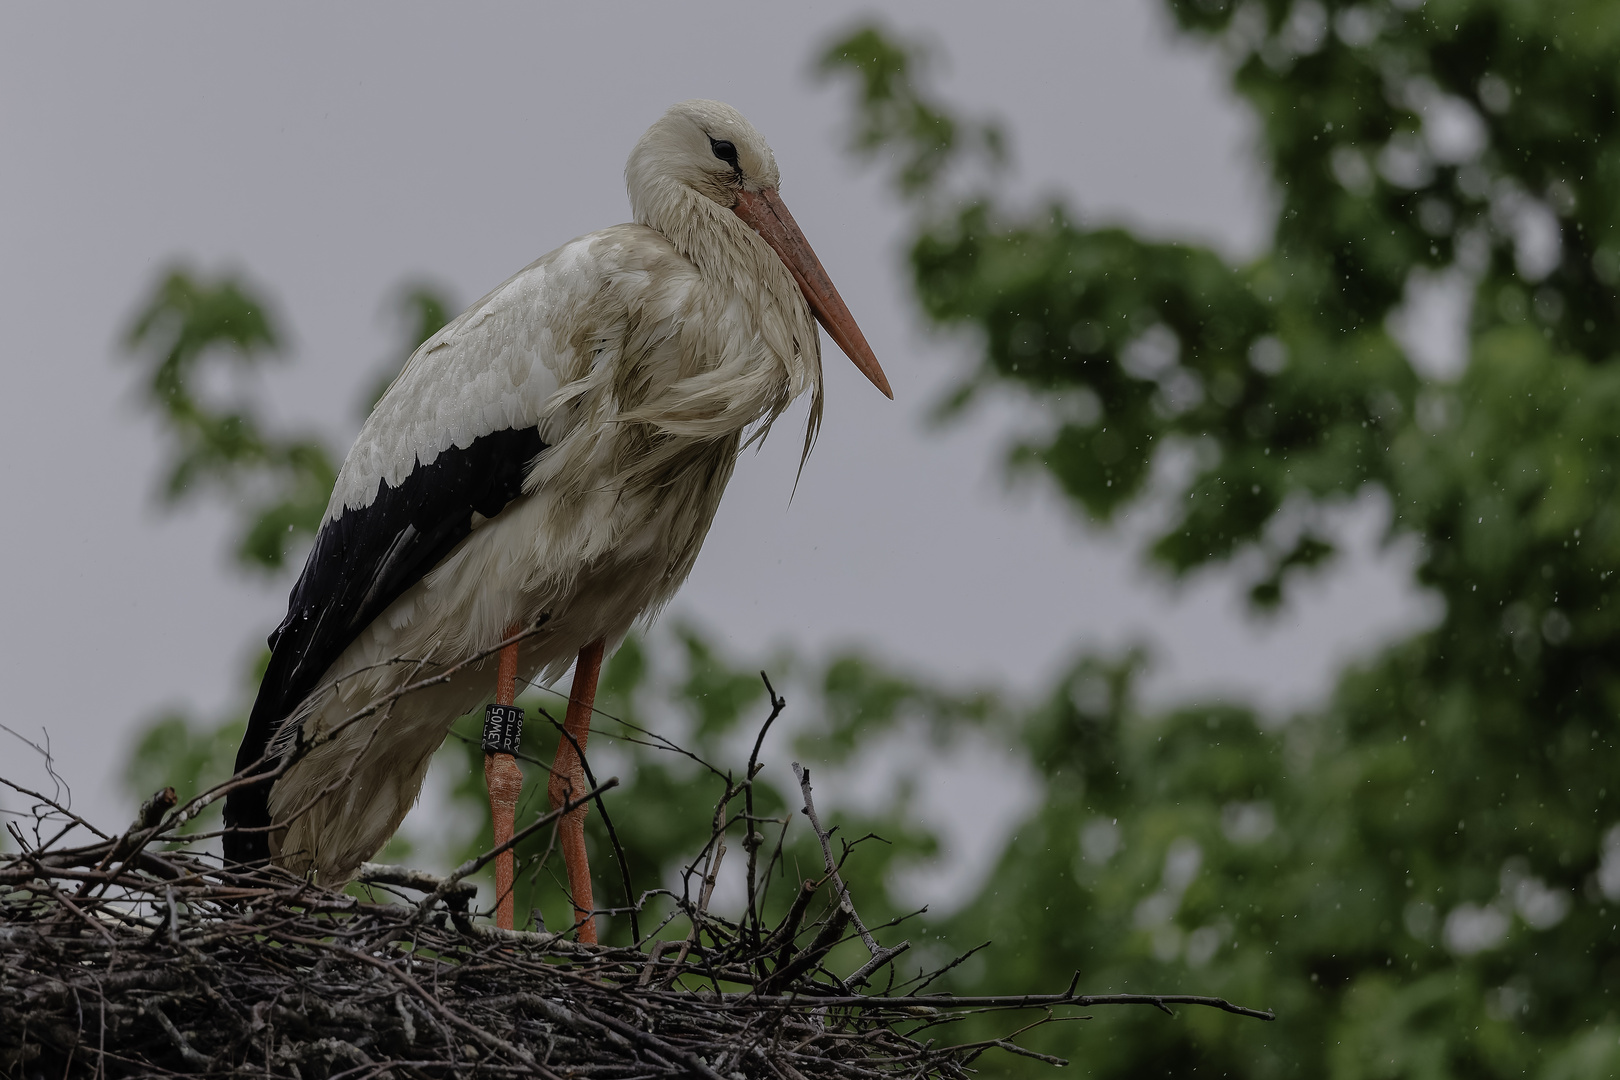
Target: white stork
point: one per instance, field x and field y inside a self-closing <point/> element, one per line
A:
<point x="556" y="452"/>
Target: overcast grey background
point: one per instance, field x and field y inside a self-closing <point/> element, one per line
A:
<point x="333" y="150"/>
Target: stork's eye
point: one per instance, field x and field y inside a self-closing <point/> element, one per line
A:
<point x="725" y="150"/>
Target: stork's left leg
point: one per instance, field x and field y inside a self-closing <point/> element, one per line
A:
<point x="568" y="781"/>
<point x="504" y="780"/>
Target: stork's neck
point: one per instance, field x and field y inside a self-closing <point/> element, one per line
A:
<point x="779" y="355"/>
<point x="717" y="241"/>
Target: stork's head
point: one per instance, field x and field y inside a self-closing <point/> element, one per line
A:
<point x="706" y="148"/>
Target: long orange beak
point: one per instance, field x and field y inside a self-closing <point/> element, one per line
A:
<point x="766" y="215"/>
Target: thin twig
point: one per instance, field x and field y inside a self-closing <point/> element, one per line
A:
<point x="755" y="839"/>
<point x="880" y="956"/>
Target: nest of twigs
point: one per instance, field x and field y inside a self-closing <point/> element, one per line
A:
<point x="138" y="955"/>
<point x="193" y="971"/>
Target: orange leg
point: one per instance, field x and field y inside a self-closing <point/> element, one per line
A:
<point x="505" y="782"/>
<point x="568" y="781"/>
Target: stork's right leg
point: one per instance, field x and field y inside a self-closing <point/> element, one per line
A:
<point x="568" y="781"/>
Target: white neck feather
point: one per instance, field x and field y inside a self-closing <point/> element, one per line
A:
<point x="750" y="382"/>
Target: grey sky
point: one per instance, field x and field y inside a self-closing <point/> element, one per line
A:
<point x="333" y="150"/>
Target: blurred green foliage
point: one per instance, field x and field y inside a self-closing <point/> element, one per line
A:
<point x="283" y="481"/>
<point x="1421" y="875"/>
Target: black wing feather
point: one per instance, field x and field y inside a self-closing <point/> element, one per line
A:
<point x="362" y="562"/>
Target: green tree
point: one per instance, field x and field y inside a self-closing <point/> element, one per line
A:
<point x="286" y="480"/>
<point x="1421" y="875"/>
